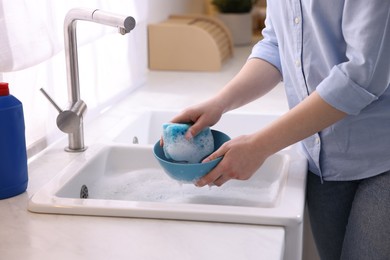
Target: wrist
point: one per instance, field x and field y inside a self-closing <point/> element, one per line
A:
<point x="267" y="142"/>
<point x="221" y="103"/>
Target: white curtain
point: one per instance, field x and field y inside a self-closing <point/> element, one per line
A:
<point x="111" y="65"/>
<point x="26" y="38"/>
<point x="31" y="31"/>
<point x="31" y="57"/>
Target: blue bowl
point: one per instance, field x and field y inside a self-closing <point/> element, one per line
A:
<point x="189" y="172"/>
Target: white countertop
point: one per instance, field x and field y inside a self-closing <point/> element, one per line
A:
<point x="26" y="235"/>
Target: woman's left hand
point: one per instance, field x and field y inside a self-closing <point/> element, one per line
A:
<point x="241" y="159"/>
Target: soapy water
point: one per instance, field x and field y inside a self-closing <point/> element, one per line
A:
<point x="153" y="185"/>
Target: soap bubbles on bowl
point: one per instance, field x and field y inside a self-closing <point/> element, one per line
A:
<point x="178" y="148"/>
<point x="189" y="172"/>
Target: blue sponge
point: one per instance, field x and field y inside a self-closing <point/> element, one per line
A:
<point x="178" y="148"/>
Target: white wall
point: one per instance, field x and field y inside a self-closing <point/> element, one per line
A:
<point x="110" y="65"/>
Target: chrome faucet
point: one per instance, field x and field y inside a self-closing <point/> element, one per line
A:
<point x="70" y="121"/>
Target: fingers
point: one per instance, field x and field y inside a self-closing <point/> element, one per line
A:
<point x="195" y="129"/>
<point x="215" y="177"/>
<point x="200" y="116"/>
<point x="198" y="124"/>
<point x="218" y="153"/>
<point x="212" y="179"/>
<point x="186" y="116"/>
<point x="209" y="179"/>
<point x="240" y="161"/>
<point x="221" y="180"/>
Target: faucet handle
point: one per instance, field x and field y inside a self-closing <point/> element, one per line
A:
<point x="69" y="120"/>
<point x="51" y="100"/>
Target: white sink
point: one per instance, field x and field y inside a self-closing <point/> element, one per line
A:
<point x="126" y="180"/>
<point x="146" y="126"/>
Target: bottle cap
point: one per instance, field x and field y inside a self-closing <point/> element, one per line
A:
<point x="4" y="90"/>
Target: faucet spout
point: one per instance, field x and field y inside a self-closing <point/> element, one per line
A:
<point x="125" y="25"/>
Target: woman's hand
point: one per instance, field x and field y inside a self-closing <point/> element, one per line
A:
<point x="245" y="154"/>
<point x="241" y="160"/>
<point x="203" y="115"/>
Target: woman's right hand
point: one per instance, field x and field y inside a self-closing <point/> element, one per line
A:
<point x="202" y="115"/>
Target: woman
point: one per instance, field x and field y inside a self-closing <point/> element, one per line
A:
<point x="334" y="59"/>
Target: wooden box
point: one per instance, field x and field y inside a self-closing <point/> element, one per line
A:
<point x="190" y="43"/>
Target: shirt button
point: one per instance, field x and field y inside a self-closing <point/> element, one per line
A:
<point x="297" y="63"/>
<point x="297" y="20"/>
<point x="318" y="140"/>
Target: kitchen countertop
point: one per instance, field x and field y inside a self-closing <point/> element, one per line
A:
<point x="26" y="235"/>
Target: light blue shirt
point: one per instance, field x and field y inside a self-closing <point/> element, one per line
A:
<point x="341" y="49"/>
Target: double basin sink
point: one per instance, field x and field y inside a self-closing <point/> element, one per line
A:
<point x="120" y="177"/>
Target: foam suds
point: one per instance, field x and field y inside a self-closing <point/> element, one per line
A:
<point x="154" y="185"/>
<point x="178" y="148"/>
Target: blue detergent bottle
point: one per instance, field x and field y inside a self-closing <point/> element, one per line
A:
<point x="13" y="155"/>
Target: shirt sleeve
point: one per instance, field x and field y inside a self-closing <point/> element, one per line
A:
<point x="365" y="76"/>
<point x="267" y="49"/>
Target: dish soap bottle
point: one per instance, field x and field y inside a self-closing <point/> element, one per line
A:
<point x="13" y="155"/>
